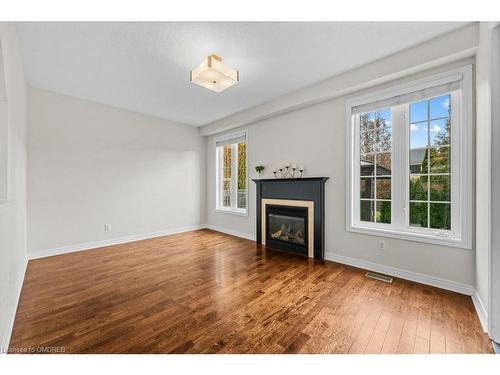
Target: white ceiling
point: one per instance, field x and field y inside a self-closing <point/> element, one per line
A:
<point x="144" y="67"/>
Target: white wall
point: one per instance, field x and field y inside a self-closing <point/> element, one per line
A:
<point x="4" y="165"/>
<point x="483" y="163"/>
<point x="494" y="259"/>
<point x="13" y="210"/>
<point x="315" y="136"/>
<point x="91" y="164"/>
<point x="449" y="47"/>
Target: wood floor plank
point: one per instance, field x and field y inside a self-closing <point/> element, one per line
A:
<point x="421" y="345"/>
<point x="365" y="334"/>
<point x="437" y="342"/>
<point x="453" y="347"/>
<point x="393" y="336"/>
<point x="208" y="292"/>
<point x="379" y="333"/>
<point x="424" y="323"/>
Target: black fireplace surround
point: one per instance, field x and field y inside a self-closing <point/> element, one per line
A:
<point x="287" y="238"/>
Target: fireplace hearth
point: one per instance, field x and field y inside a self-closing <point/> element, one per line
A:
<point x="290" y="215"/>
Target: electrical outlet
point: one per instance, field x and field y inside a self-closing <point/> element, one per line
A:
<point x="107" y="227"/>
<point x="381" y="245"/>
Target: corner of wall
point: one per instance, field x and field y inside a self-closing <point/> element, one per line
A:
<point x="11" y="304"/>
<point x="13" y="213"/>
<point x="480" y="310"/>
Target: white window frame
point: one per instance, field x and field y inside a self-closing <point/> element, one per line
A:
<point x="461" y="164"/>
<point x="234" y="210"/>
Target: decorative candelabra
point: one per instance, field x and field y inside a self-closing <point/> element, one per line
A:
<point x="288" y="171"/>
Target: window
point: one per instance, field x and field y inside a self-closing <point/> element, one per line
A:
<point x="232" y="183"/>
<point x="375" y="142"/>
<point x="409" y="161"/>
<point x="429" y="163"/>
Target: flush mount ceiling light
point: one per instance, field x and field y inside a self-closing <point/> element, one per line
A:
<point x="214" y="75"/>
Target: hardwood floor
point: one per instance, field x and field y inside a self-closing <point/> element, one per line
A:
<point x="207" y="292"/>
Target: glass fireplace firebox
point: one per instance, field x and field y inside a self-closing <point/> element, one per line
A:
<point x="286" y="228"/>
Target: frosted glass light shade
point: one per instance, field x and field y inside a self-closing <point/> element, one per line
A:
<point x="214" y="75"/>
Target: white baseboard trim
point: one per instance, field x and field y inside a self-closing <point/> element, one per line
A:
<point x="236" y="233"/>
<point x="11" y="306"/>
<point x="110" y="242"/>
<point x="402" y="274"/>
<point x="481" y="311"/>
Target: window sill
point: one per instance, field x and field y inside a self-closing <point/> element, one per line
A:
<point x="233" y="211"/>
<point x="410" y="235"/>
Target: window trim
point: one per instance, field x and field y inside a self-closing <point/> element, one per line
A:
<point x="218" y="207"/>
<point x="461" y="143"/>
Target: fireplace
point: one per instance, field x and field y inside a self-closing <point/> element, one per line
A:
<point x="287" y="227"/>
<point x="291" y="215"/>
